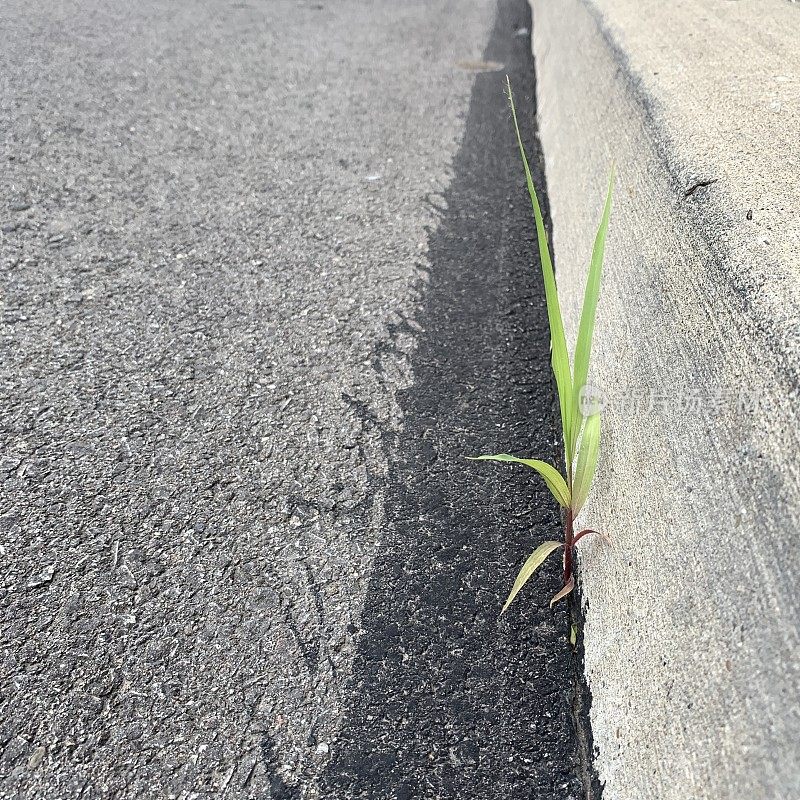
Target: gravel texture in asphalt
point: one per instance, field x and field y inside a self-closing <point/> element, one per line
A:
<point x="231" y="235"/>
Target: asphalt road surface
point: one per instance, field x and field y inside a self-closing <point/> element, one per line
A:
<point x="267" y="274"/>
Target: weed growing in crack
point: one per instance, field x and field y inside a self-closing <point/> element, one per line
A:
<point x="581" y="433"/>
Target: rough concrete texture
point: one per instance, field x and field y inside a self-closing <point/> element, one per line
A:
<point x="692" y="651"/>
<point x="213" y="219"/>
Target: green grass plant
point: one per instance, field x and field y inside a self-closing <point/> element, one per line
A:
<point x="581" y="434"/>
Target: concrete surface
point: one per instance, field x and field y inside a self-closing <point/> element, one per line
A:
<point x="220" y="225"/>
<point x="692" y="642"/>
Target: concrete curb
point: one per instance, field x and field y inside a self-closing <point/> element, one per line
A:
<point x="691" y="619"/>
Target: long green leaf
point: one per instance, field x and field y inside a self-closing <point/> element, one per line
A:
<point x="552" y="477"/>
<point x="558" y="342"/>
<point x="535" y="560"/>
<point x="583" y="347"/>
<point x="587" y="462"/>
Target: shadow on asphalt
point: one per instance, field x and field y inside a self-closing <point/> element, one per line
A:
<point x="446" y="700"/>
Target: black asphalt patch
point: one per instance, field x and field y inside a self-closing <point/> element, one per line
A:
<point x="447" y="700"/>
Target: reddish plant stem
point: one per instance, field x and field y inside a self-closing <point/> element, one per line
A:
<point x="568" y="544"/>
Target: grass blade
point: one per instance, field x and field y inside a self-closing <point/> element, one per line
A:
<point x="552" y="477"/>
<point x="535" y="560"/>
<point x="583" y="347"/>
<point x="587" y="531"/>
<point x="570" y="585"/>
<point x="558" y="342"/>
<point x="587" y="462"/>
